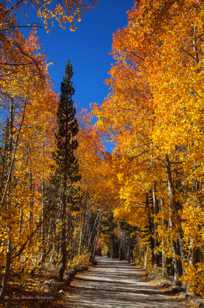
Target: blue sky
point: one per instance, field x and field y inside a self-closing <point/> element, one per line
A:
<point x="88" y="49"/>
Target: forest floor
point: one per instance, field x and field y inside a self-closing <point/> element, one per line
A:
<point x="117" y="284"/>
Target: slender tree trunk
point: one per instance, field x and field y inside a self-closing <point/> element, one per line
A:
<point x="80" y="234"/>
<point x="31" y="205"/>
<point x="164" y="225"/>
<point x="146" y="257"/>
<point x="63" y="234"/>
<point x="7" y="266"/>
<point x="20" y="221"/>
<point x="174" y="224"/>
<point x="93" y="231"/>
<point x="93" y="249"/>
<point x="154" y="224"/>
<point x="43" y="233"/>
<point x="14" y="150"/>
<point x="5" y="201"/>
<point x="82" y="224"/>
<point x="150" y="227"/>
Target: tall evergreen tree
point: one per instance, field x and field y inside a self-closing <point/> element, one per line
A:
<point x="67" y="164"/>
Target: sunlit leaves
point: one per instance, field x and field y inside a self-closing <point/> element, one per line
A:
<point x="155" y="110"/>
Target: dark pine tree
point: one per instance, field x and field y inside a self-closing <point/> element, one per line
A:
<point x="67" y="164"/>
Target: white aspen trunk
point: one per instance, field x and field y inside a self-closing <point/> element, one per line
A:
<point x="146" y="258"/>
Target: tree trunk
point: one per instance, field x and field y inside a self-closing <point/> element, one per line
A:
<point x="7" y="266"/>
<point x="163" y="258"/>
<point x="154" y="225"/>
<point x="149" y="210"/>
<point x="174" y="224"/>
<point x="63" y="236"/>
